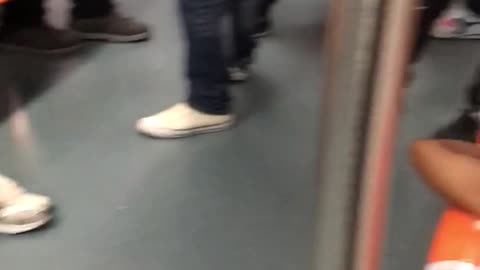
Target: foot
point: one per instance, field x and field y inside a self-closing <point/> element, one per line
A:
<point x="40" y="39"/>
<point x="263" y="28"/>
<point x="457" y="23"/>
<point x="11" y="192"/>
<point x="112" y="28"/>
<point x="182" y="120"/>
<point x="21" y="211"/>
<point x="239" y="72"/>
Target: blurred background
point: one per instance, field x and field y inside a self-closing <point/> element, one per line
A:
<point x="332" y="94"/>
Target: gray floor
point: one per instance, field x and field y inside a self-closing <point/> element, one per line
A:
<point x="242" y="199"/>
<point x="434" y="100"/>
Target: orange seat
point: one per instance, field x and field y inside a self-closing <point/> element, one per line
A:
<point x="456" y="242"/>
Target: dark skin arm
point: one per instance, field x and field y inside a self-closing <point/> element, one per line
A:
<point x="452" y="169"/>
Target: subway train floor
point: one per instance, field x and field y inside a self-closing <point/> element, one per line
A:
<point x="241" y="199"/>
<point x="434" y="100"/>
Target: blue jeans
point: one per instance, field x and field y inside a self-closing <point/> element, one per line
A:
<point x="206" y="61"/>
<point x="264" y="7"/>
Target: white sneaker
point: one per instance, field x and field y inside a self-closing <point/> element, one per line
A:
<point x="457" y="23"/>
<point x="20" y="218"/>
<point x="21" y="211"/>
<point x="181" y="120"/>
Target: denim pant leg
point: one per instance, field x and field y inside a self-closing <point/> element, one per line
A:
<point x="264" y="7"/>
<point x="243" y="13"/>
<point x="206" y="67"/>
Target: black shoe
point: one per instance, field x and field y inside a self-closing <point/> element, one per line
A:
<point x="112" y="28"/>
<point x="263" y="28"/>
<point x="41" y="39"/>
<point x="464" y="128"/>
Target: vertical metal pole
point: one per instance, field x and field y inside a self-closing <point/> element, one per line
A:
<point x="368" y="49"/>
<point x="351" y="37"/>
<point x="395" y="50"/>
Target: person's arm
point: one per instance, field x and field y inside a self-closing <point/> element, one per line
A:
<point x="451" y="168"/>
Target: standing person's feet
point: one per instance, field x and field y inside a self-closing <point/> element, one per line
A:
<point x="21" y="211"/>
<point x="457" y="23"/>
<point x="111" y="28"/>
<point x="41" y="39"/>
<point x="182" y="120"/>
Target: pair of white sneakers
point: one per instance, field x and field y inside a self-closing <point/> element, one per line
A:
<point x="181" y="120"/>
<point x="458" y="22"/>
<point x="21" y="211"/>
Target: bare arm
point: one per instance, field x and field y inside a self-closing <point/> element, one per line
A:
<point x="452" y="169"/>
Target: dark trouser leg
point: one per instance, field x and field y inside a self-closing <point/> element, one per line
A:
<point x="433" y="9"/>
<point x="22" y="13"/>
<point x="243" y="12"/>
<point x="86" y="9"/>
<point x="264" y="7"/>
<point x="474" y="5"/>
<point x="207" y="69"/>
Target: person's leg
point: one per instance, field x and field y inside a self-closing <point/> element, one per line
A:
<point x="207" y="69"/>
<point x="208" y="106"/>
<point x="264" y="8"/>
<point x="263" y="20"/>
<point x="243" y="13"/>
<point x="98" y="20"/>
<point x="23" y="29"/>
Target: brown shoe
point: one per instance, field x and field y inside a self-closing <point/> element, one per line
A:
<point x="40" y="39"/>
<point x="112" y="28"/>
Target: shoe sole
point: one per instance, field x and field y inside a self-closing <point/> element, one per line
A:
<point x="115" y="38"/>
<point x="61" y="51"/>
<point x="243" y="79"/>
<point x="177" y="134"/>
<point x="261" y="35"/>
<point x="237" y="77"/>
<point x="233" y="81"/>
<point x="446" y="36"/>
<point x="19" y="229"/>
